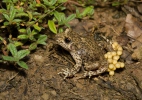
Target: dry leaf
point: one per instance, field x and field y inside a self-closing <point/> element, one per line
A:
<point x="134" y="30"/>
<point x="133" y="27"/>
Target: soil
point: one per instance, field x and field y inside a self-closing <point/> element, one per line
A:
<point x="42" y="81"/>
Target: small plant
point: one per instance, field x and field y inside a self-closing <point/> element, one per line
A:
<point x="16" y="56"/>
<point x="88" y="11"/>
<point x="61" y="19"/>
<point x="33" y="36"/>
<point x="119" y="3"/>
<point x="24" y="20"/>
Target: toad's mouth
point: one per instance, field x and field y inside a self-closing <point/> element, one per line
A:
<point x="65" y="42"/>
<point x="64" y="45"/>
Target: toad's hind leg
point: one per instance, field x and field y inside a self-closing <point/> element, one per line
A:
<point x="77" y="67"/>
<point x="96" y="72"/>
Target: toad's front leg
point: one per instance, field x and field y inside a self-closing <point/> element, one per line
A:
<point x="77" y="67"/>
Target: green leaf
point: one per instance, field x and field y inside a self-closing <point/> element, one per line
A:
<point x="22" y="30"/>
<point x="1" y="38"/>
<point x="42" y="39"/>
<point x="22" y="64"/>
<point x="116" y="3"/>
<point x="12" y="13"/>
<point x="22" y="3"/>
<point x="67" y="24"/>
<point x="6" y="17"/>
<point x="30" y="23"/>
<point x="71" y="17"/>
<point x="37" y="27"/>
<point x="34" y="32"/>
<point x="57" y="16"/>
<point x="29" y="31"/>
<point x="7" y="1"/>
<point x="16" y="20"/>
<point x="6" y="23"/>
<point x="14" y="1"/>
<point x="46" y="2"/>
<point x="61" y="30"/>
<point x="20" y="10"/>
<point x="33" y="46"/>
<point x="38" y="5"/>
<point x="23" y="36"/>
<point x="30" y="15"/>
<point x="16" y="43"/>
<point x="63" y="8"/>
<point x="62" y="1"/>
<point x="3" y="11"/>
<point x="22" y="53"/>
<point x="51" y="3"/>
<point x="9" y="58"/>
<point x="36" y="13"/>
<point x="63" y="17"/>
<point x="42" y="16"/>
<point x="21" y="14"/>
<point x="12" y="49"/>
<point x="43" y="43"/>
<point x="88" y="11"/>
<point x="32" y="38"/>
<point x="52" y="26"/>
<point x="78" y="15"/>
<point x="41" y="5"/>
<point x="9" y="5"/>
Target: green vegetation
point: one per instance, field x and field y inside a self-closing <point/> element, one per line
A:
<point x="118" y="3"/>
<point x="16" y="56"/>
<point x="24" y="20"/>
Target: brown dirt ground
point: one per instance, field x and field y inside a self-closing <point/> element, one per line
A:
<point x="42" y="82"/>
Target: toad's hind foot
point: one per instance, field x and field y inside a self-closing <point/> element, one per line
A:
<point x="68" y="73"/>
<point x="93" y="73"/>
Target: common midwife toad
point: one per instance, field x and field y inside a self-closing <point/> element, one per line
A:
<point x="85" y="51"/>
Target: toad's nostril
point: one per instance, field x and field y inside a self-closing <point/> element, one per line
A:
<point x="67" y="40"/>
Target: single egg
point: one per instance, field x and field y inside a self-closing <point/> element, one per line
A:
<point x="108" y="70"/>
<point x="114" y="47"/>
<point x="114" y="62"/>
<point x="115" y="43"/>
<point x="109" y="60"/>
<point x="122" y="65"/>
<point x="117" y="65"/>
<point x="106" y="55"/>
<point x="119" y="48"/>
<point x="119" y="52"/>
<point x="114" y="68"/>
<point x="116" y="57"/>
<point x="113" y="53"/>
<point x="111" y="66"/>
<point x="111" y="73"/>
<point x="109" y="56"/>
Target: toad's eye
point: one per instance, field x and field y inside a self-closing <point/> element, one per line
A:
<point x="67" y="40"/>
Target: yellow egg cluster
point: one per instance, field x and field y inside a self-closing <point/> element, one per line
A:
<point x="113" y="57"/>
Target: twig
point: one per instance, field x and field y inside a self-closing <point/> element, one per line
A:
<point x="12" y="77"/>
